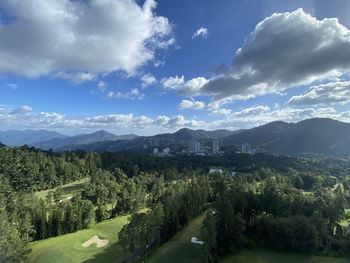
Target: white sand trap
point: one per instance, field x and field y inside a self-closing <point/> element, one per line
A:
<point x="96" y="240"/>
<point x="196" y="241"/>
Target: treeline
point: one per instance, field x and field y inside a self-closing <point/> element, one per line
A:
<point x="181" y="201"/>
<point x="276" y="215"/>
<point x="268" y="193"/>
<point x="30" y="170"/>
<point x="108" y="193"/>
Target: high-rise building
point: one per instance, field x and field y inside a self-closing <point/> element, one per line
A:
<point x="246" y="148"/>
<point x="194" y="146"/>
<point x="216" y="147"/>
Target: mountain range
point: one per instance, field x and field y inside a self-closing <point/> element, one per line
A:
<point x="77" y="141"/>
<point x="177" y="141"/>
<point x="29" y="137"/>
<point x="318" y="135"/>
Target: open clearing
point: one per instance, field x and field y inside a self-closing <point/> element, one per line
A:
<point x="68" y="190"/>
<point x="267" y="256"/>
<point x="68" y="248"/>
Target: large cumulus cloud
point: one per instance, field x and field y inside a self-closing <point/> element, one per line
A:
<point x="79" y="39"/>
<point x="285" y="50"/>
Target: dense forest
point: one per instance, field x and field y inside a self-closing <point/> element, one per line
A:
<point x="280" y="202"/>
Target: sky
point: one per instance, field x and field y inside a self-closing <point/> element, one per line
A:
<point x="147" y="67"/>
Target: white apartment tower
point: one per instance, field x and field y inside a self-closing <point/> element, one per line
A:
<point x="194" y="147"/>
<point x="216" y="147"/>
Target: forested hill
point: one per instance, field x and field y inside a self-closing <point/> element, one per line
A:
<point x="75" y="142"/>
<point x="318" y="135"/>
<point x="288" y="203"/>
<point x="322" y="136"/>
<point x="19" y="138"/>
<point x="177" y="141"/>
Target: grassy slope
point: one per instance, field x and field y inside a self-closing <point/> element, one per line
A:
<point x="68" y="248"/>
<point x="68" y="190"/>
<point x="180" y="248"/>
<point x="266" y="256"/>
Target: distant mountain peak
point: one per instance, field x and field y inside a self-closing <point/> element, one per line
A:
<point x="102" y="132"/>
<point x="29" y="136"/>
<point x="77" y="141"/>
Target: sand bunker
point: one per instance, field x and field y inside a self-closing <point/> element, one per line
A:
<point x="195" y="240"/>
<point x="96" y="240"/>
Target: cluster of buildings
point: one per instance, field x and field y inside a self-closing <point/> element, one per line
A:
<point x="195" y="147"/>
<point x="165" y="152"/>
<point x="249" y="149"/>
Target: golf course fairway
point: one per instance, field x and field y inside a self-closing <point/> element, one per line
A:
<point x="68" y="248"/>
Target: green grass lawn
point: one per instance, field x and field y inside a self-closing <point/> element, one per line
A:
<point x="267" y="256"/>
<point x="68" y="248"/>
<point x="68" y="190"/>
<point x="179" y="248"/>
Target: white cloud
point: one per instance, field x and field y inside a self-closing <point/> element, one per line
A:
<point x="180" y="121"/>
<point x="22" y="110"/>
<point x="261" y="114"/>
<point x="102" y="85"/>
<point x="133" y="94"/>
<point x="324" y="94"/>
<point x="285" y="50"/>
<point x="201" y="32"/>
<point x="192" y="86"/>
<point x="79" y="40"/>
<point x="251" y="111"/>
<point x="173" y="83"/>
<point x="77" y="77"/>
<point x="191" y="104"/>
<point x="221" y="111"/>
<point x="126" y="123"/>
<point x="148" y="80"/>
<point x="23" y="117"/>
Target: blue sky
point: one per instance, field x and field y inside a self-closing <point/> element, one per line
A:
<point x="156" y="66"/>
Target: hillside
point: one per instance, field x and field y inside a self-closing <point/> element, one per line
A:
<point x="325" y="136"/>
<point x="73" y="143"/>
<point x="261" y="135"/>
<point x="318" y="135"/>
<point x="29" y="137"/>
<point x="177" y="140"/>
